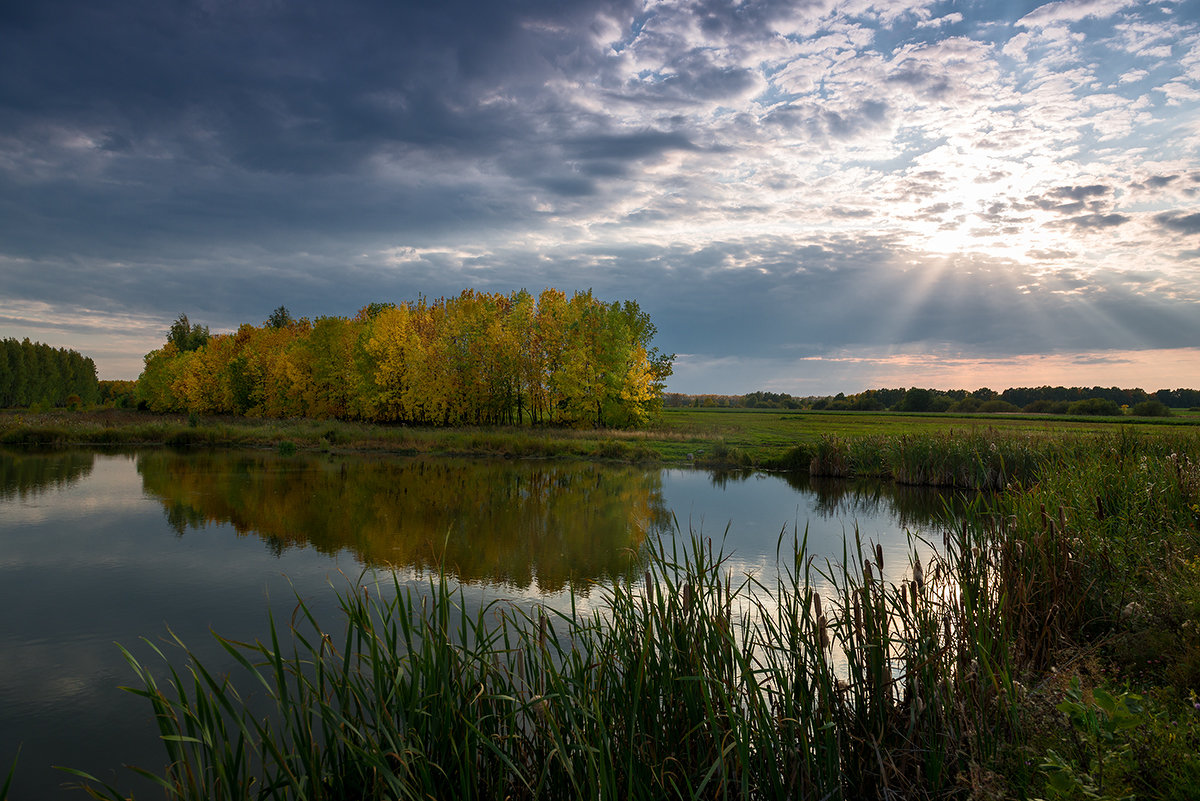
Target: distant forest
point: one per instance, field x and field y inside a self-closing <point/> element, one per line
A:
<point x="1033" y="400"/>
<point x="33" y="374"/>
<point x="477" y="358"/>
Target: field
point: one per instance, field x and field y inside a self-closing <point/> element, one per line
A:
<point x="705" y="437"/>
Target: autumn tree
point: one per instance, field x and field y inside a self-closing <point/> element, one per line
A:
<point x="478" y="358"/>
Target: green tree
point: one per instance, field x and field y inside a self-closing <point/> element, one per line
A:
<point x="916" y="400"/>
<point x="280" y="318"/>
<point x="185" y="336"/>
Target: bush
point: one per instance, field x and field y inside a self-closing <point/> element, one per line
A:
<point x="1151" y="408"/>
<point x="1095" y="406"/>
<point x="966" y="405"/>
<point x="993" y="406"/>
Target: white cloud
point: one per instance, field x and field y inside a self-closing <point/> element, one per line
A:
<point x="1071" y="11"/>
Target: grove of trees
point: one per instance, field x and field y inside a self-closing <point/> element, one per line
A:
<point x="32" y="373"/>
<point x="479" y="358"/>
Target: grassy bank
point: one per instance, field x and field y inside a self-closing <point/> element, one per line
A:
<point x="1051" y="649"/>
<point x="704" y="437"/>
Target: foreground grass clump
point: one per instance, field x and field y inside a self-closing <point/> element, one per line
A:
<point x="698" y="686"/>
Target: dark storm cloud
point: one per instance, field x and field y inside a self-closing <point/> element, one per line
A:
<point x="1079" y="192"/>
<point x="194" y="122"/>
<point x="1180" y="223"/>
<point x="1073" y="199"/>
<point x="627" y="146"/>
<point x="1091" y="222"/>
<point x="1156" y="182"/>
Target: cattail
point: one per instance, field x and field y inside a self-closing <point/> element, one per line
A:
<point x="649" y="589"/>
<point x="913" y="589"/>
<point x="816" y="604"/>
<point x="687" y="597"/>
<point x="541" y="707"/>
<point x="867" y="572"/>
<point x="879" y="558"/>
<point x="541" y="629"/>
<point x="823" y="632"/>
<point x="918" y="575"/>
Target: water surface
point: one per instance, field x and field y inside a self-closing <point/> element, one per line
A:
<point x="104" y="548"/>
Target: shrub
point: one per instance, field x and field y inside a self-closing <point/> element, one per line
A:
<point x="993" y="406"/>
<point x="967" y="405"/>
<point x="1151" y="408"/>
<point x="1095" y="406"/>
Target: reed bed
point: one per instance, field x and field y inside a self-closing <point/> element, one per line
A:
<point x="988" y="460"/>
<point x="693" y="683"/>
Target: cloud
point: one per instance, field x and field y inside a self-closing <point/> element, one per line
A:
<point x="1079" y="192"/>
<point x="1179" y="223"/>
<point x="1071" y="11"/>
<point x="1095" y="221"/>
<point x="937" y="22"/>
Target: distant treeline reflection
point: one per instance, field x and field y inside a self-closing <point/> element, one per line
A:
<point x="914" y="507"/>
<point x="27" y="473"/>
<point x="510" y="522"/>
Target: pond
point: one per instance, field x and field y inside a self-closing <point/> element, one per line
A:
<point x="100" y="548"/>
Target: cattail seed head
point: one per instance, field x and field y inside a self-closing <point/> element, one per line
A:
<point x="918" y="575"/>
<point x="879" y="558"/>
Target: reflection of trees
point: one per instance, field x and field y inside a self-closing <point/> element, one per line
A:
<point x="914" y="507"/>
<point x="26" y="473"/>
<point x="722" y="477"/>
<point x="505" y="521"/>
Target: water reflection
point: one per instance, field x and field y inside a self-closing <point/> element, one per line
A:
<point x="28" y="473"/>
<point x="97" y="548"/>
<point x="907" y="506"/>
<point x="549" y="524"/>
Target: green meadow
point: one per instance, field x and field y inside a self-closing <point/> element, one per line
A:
<point x="706" y="437"/>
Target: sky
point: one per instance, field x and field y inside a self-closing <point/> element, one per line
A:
<point x="808" y="196"/>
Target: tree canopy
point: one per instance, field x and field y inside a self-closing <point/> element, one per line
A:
<point x="479" y="358"/>
<point x="32" y="373"/>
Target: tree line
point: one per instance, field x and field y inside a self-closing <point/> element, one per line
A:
<point x="1033" y="400"/>
<point x="478" y="358"/>
<point x="32" y="374"/>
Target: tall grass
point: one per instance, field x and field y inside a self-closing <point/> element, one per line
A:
<point x="829" y="682"/>
<point x="978" y="459"/>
